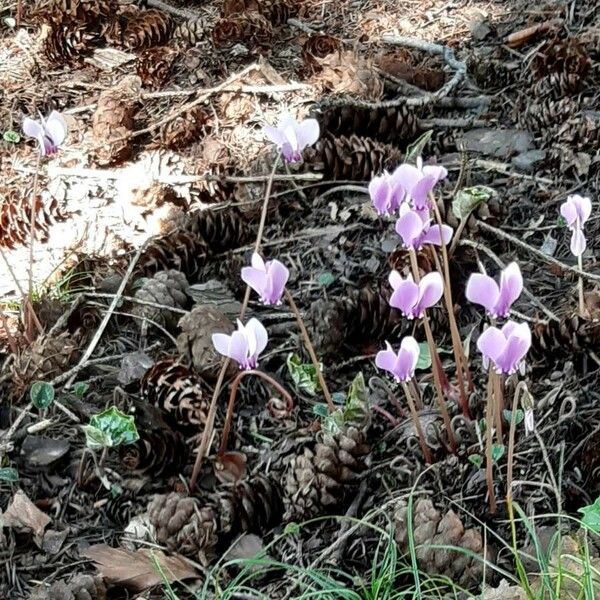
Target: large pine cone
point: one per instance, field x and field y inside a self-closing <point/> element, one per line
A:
<point x="194" y="343"/>
<point x="316" y="48"/>
<point x="362" y="318"/>
<point x="543" y="114"/>
<point x="185" y="129"/>
<point x="66" y="40"/>
<point x="352" y="158"/>
<point x="319" y="477"/>
<point x="168" y="288"/>
<point x="177" y="392"/>
<point x="561" y="56"/>
<point x="154" y="66"/>
<point x="558" y="338"/>
<point x="221" y="230"/>
<point x="277" y="12"/>
<point x="429" y="528"/>
<point x="491" y="72"/>
<point x="112" y="122"/>
<point x="136" y="29"/>
<point x="396" y="125"/>
<point x="557" y="85"/>
<point x="15" y="218"/>
<point x="192" y="31"/>
<point x="81" y="587"/>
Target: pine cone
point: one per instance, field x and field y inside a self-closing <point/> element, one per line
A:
<point x="185" y="129"/>
<point x="559" y="338"/>
<point x="235" y="7"/>
<point x="15" y="218"/>
<point x="543" y="114"/>
<point x="46" y="358"/>
<point x="221" y="230"/>
<point x="277" y="12"/>
<point x="397" y="125"/>
<point x="120" y="509"/>
<point x="192" y="31"/>
<point x="136" y="29"/>
<point x="81" y="587"/>
<point x="194" y="343"/>
<point x="112" y="122"/>
<point x="320" y="475"/>
<point x="430" y="528"/>
<point x="557" y="85"/>
<point x="168" y="288"/>
<point x="154" y="66"/>
<point x="561" y="56"/>
<point x="66" y="40"/>
<point x="83" y="321"/>
<point x="579" y="132"/>
<point x="177" y="392"/>
<point x="490" y="73"/>
<point x="318" y="47"/>
<point x="249" y="28"/>
<point x="352" y="158"/>
<point x="360" y="319"/>
<point x="178" y="250"/>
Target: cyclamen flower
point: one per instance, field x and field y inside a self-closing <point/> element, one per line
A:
<point x="50" y="133"/>
<point x="385" y="197"/>
<point x="268" y="279"/>
<point x="243" y="345"/>
<point x="497" y="300"/>
<point x="576" y="211"/>
<point x="505" y="347"/>
<point x="413" y="299"/>
<point x="417" y="182"/>
<point x="416" y="229"/>
<point x="291" y="136"/>
<point x="403" y="364"/>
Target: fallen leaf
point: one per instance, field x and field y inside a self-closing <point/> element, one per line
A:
<point x="138" y="570"/>
<point x="23" y="514"/>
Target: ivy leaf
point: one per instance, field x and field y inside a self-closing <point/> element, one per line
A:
<point x="424" y="361"/>
<point x="304" y="375"/>
<point x="519" y="416"/>
<point x="326" y="279"/>
<point x="320" y="410"/>
<point x="9" y="474"/>
<point x="12" y="137"/>
<point x="80" y="389"/>
<point x="497" y="452"/>
<point x="591" y="516"/>
<point x="467" y="200"/>
<point x="339" y="398"/>
<point x="110" y="428"/>
<point x="41" y="394"/>
<point x="476" y="459"/>
<point x="416" y="148"/>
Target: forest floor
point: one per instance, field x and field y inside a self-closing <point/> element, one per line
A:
<point x="152" y="206"/>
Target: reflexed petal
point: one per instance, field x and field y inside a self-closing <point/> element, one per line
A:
<point x="517" y="346"/>
<point x="408" y="357"/>
<point x="221" y="343"/>
<point x="255" y="278"/>
<point x="395" y="279"/>
<point x="239" y="348"/>
<point x="257" y="262"/>
<point x="578" y="242"/>
<point x="307" y="132"/>
<point x="290" y="135"/>
<point x="431" y="289"/>
<point x="509" y="328"/>
<point x="483" y="290"/>
<point x="386" y="359"/>
<point x="32" y="128"/>
<point x="432" y="235"/>
<point x="409" y="227"/>
<point x="420" y="192"/>
<point x="259" y="333"/>
<point x="278" y="277"/>
<point x="56" y="128"/>
<point x="275" y="135"/>
<point x="491" y="343"/>
<point x="568" y="210"/>
<point x="406" y="176"/>
<point x="583" y="206"/>
<point x="511" y="286"/>
<point x="436" y="171"/>
<point x="405" y="297"/>
<point x="380" y="193"/>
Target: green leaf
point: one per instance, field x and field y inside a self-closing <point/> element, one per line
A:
<point x="41" y="394"/>
<point x="497" y="452"/>
<point x="339" y="398"/>
<point x="424" y="361"/>
<point x="111" y="428"/>
<point x="415" y="149"/>
<point x="80" y="389"/>
<point x="320" y="410"/>
<point x="116" y="490"/>
<point x="9" y="474"/>
<point x="561" y="221"/>
<point x="12" y="137"/>
<point x="591" y="516"/>
<point x="358" y="390"/>
<point x="304" y="375"/>
<point x="467" y="200"/>
<point x="326" y="279"/>
<point x="476" y="459"/>
<point x="292" y="529"/>
<point x="519" y="416"/>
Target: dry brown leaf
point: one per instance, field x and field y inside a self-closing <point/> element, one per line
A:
<point x="23" y="514"/>
<point x="137" y="571"/>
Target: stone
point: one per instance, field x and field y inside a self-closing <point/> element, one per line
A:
<point x="499" y="143"/>
<point x="529" y="161"/>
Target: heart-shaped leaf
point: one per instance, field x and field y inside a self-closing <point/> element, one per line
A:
<point x="304" y="375"/>
<point x="497" y="452"/>
<point x="519" y="416"/>
<point x="9" y="474"/>
<point x="80" y="389"/>
<point x="41" y="394"/>
<point x="424" y="361"/>
<point x="591" y="516"/>
<point x="12" y="137"/>
<point x="476" y="459"/>
<point x="111" y="428"/>
<point x="467" y="200"/>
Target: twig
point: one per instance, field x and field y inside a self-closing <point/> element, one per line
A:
<point x="460" y="123"/>
<point x="179" y="311"/>
<point x="504" y="169"/>
<point x="549" y="259"/>
<point x="17" y="422"/>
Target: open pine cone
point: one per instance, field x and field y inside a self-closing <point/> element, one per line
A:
<point x="318" y="47"/>
<point x="81" y="587"/>
<point x="137" y="29"/>
<point x="571" y="334"/>
<point x="185" y="129"/>
<point x="154" y="66"/>
<point x="221" y="230"/>
<point x="249" y="28"/>
<point x="168" y="288"/>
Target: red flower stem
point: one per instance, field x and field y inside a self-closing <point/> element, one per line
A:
<point x="233" y="395"/>
<point x="417" y="422"/>
<point x="436" y="363"/>
<point x="212" y="411"/>
<point x="417" y="394"/>
<point x="311" y="350"/>
<point x="384" y="413"/>
<point x="489" y="424"/>
<point x="498" y="404"/>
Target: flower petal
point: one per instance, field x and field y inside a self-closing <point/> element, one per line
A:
<point x="408" y="357"/>
<point x="239" y="348"/>
<point x="257" y="262"/>
<point x="433" y="235"/>
<point x="221" y="342"/>
<point x="511" y="286"/>
<point x="275" y="135"/>
<point x="436" y="171"/>
<point x="420" y="192"/>
<point x="380" y="192"/>
<point x="431" y="288"/>
<point x="569" y="212"/>
<point x="578" y="242"/>
<point x="386" y="359"/>
<point x="56" y="127"/>
<point x="277" y="278"/>
<point x="255" y="278"/>
<point x="491" y="343"/>
<point x="409" y="227"/>
<point x="395" y="279"/>
<point x="517" y="346"/>
<point x="405" y="297"/>
<point x="32" y="128"/>
<point x="583" y="205"/>
<point x="407" y="176"/>
<point x="260" y="335"/>
<point x="483" y="290"/>
<point x="308" y="132"/>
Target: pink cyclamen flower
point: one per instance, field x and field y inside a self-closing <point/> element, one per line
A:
<point x="267" y="279"/>
<point x="50" y="133"/>
<point x="384" y="195"/>
<point x="413" y="299"/>
<point x="576" y="211"/>
<point x="417" y="182"/>
<point x="497" y="300"/>
<point x="505" y="347"/>
<point x="416" y="229"/>
<point x="403" y="364"/>
<point x="291" y="136"/>
<point x="243" y="345"/>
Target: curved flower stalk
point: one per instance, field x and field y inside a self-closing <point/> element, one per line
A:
<point x="291" y="137"/>
<point x="267" y="279"/>
<point x="496" y="299"/>
<point x="50" y="133"/>
<point x="416" y="230"/>
<point x="505" y="348"/>
<point x="244" y="345"/>
<point x="413" y="299"/>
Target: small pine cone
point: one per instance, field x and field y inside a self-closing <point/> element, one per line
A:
<point x="137" y="29"/>
<point x="318" y="47"/>
<point x="557" y="338"/>
<point x="277" y="12"/>
<point x="112" y="122"/>
<point x="396" y="125"/>
<point x="177" y="392"/>
<point x="491" y="73"/>
<point x="154" y="66"/>
<point x="66" y="40"/>
<point x="194" y="343"/>
<point x="221" y="230"/>
<point x="185" y="129"/>
<point x="168" y="288"/>
<point x="84" y="320"/>
<point x="362" y="318"/>
<point x="320" y="475"/>
<point x="399" y="260"/>
<point x="228" y="31"/>
<point x="81" y="587"/>
<point x="178" y="250"/>
<point x="43" y="360"/>
<point x="249" y="28"/>
<point x="580" y="132"/>
<point x="543" y="114"/>
<point x="557" y="85"/>
<point x="431" y="528"/>
<point x="120" y="509"/>
<point x="185" y="525"/>
<point x="192" y="31"/>
<point x="561" y="56"/>
<point x="236" y="7"/>
<point x="354" y="158"/>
